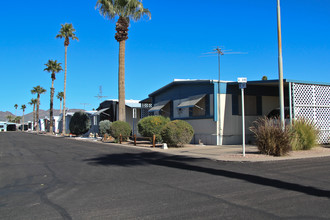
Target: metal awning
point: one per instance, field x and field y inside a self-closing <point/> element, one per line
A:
<point x="191" y="101"/>
<point x="159" y="106"/>
<point x="101" y="111"/>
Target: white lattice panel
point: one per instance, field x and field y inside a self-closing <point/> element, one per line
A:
<point x="312" y="102"/>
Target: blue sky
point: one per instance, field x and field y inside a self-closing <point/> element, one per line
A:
<point x="169" y="46"/>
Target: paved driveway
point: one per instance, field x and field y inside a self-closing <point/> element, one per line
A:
<point x="55" y="178"/>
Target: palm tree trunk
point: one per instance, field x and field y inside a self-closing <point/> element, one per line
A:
<point x="23" y="122"/>
<point x="34" y="115"/>
<point x="60" y="106"/>
<point x="121" y="82"/>
<point x="51" y="114"/>
<point x="64" y="91"/>
<point x="37" y="119"/>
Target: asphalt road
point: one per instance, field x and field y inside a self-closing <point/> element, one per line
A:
<point x="44" y="177"/>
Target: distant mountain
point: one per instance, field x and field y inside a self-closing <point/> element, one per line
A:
<point x="29" y="116"/>
<point x="45" y="114"/>
<point x="3" y="115"/>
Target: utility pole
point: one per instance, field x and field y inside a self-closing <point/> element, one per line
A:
<point x="280" y="65"/>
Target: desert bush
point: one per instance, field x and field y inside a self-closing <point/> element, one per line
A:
<point x="79" y="123"/>
<point x="270" y="138"/>
<point x="104" y="127"/>
<point x="304" y="135"/>
<point x="177" y="133"/>
<point x="152" y="125"/>
<point x="118" y="128"/>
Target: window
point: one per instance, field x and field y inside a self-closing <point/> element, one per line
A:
<point x="191" y="107"/>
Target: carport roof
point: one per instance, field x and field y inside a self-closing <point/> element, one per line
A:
<point x="275" y="82"/>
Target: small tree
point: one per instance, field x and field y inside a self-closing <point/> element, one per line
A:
<point x="120" y="128"/>
<point x="264" y="78"/>
<point x="80" y="123"/>
<point x="177" y="133"/>
<point x="104" y="127"/>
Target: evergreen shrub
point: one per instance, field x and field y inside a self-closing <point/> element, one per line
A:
<point x="118" y="128"/>
<point x="304" y="135"/>
<point x="177" y="133"/>
<point x="104" y="127"/>
<point x="152" y="125"/>
<point x="80" y="123"/>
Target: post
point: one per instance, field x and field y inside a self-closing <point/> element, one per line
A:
<point x="242" y="85"/>
<point x="243" y="122"/>
<point x="153" y="141"/>
<point x="280" y="64"/>
<point x="290" y="102"/>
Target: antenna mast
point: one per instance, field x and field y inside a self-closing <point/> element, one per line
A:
<point x="99" y="96"/>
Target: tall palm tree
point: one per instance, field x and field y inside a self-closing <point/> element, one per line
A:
<point x="10" y="118"/>
<point x="38" y="90"/>
<point x="52" y="67"/>
<point x="16" y="106"/>
<point x="23" y="107"/>
<point x="66" y="32"/>
<point x="34" y="102"/>
<point x="125" y="10"/>
<point x="18" y="119"/>
<point x="60" y="97"/>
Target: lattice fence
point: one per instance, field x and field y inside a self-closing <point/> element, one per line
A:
<point x="312" y="102"/>
<point x="145" y="109"/>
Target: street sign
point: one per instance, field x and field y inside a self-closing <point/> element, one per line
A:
<point x="242" y="85"/>
<point x="242" y="80"/>
<point x="134" y="112"/>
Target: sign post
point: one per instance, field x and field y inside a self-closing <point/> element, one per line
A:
<point x="134" y="117"/>
<point x="242" y="85"/>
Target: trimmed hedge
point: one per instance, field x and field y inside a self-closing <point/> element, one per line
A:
<point x="79" y="123"/>
<point x="177" y="133"/>
<point x="152" y="125"/>
<point x="270" y="138"/>
<point x="118" y="128"/>
<point x="104" y="127"/>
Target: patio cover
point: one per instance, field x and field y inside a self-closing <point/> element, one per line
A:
<point x="101" y="111"/>
<point x="158" y="106"/>
<point x="191" y="101"/>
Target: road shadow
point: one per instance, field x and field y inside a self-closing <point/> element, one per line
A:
<point x="186" y="163"/>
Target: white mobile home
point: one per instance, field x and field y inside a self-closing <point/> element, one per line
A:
<point x="213" y="108"/>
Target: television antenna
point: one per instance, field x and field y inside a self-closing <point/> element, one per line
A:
<point x="218" y="51"/>
<point x="100" y="96"/>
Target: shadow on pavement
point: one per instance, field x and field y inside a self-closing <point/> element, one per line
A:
<point x="184" y="163"/>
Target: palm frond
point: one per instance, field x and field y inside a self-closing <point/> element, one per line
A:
<point x="130" y="9"/>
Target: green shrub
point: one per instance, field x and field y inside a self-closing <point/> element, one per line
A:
<point x="270" y="138"/>
<point x="177" y="133"/>
<point x="152" y="125"/>
<point x="304" y="135"/>
<point x="118" y="128"/>
<point x="79" y="123"/>
<point x="104" y="127"/>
